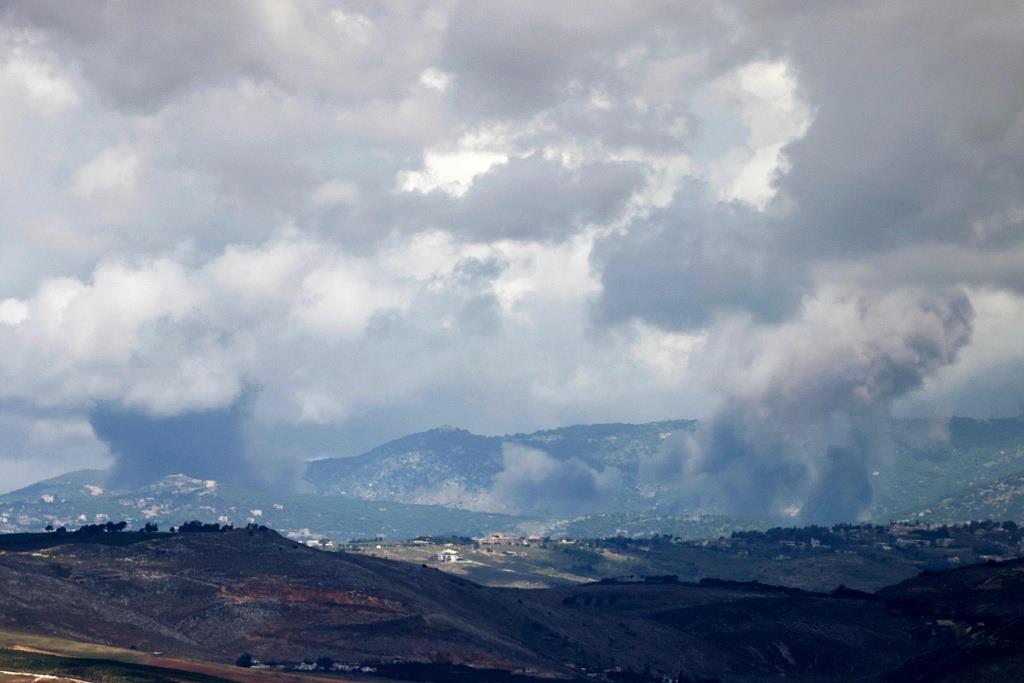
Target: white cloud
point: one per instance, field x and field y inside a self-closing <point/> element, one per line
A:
<point x="334" y="192"/>
<point x="766" y="97"/>
<point x="435" y="79"/>
<point x="450" y="172"/>
<point x="109" y="182"/>
<point x="13" y="311"/>
<point x="338" y="301"/>
<point x="45" y="87"/>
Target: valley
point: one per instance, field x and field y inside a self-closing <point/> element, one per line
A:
<point x="863" y="557"/>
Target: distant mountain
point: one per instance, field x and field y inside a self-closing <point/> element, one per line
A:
<point x="414" y="468"/>
<point x="933" y="458"/>
<point x="999" y="499"/>
<point x="443" y="481"/>
<point x="457" y="468"/>
<point x="936" y="459"/>
<point x="79" y="498"/>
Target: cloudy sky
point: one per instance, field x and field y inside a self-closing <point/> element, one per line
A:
<point x="330" y="224"/>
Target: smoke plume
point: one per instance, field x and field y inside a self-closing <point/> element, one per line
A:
<point x="805" y="410"/>
<point x="205" y="444"/>
<point x="533" y="482"/>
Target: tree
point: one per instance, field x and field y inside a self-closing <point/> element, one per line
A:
<point x="245" y="661"/>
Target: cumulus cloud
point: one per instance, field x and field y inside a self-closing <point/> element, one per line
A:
<point x="423" y="332"/>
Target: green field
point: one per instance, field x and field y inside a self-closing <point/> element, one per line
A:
<point x="92" y="669"/>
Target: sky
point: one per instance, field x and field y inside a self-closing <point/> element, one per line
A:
<point x="307" y="228"/>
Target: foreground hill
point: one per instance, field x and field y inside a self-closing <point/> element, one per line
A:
<point x="215" y="595"/>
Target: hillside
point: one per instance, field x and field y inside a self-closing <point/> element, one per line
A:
<point x="80" y="497"/>
<point x="221" y="594"/>
<point x="862" y="556"/>
<point x="1002" y="498"/>
<point x="939" y="458"/>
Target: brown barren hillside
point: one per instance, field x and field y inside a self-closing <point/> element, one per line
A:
<point x="213" y="596"/>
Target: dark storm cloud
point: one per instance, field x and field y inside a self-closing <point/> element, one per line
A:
<point x="916" y="144"/>
<point x="918" y="134"/>
<point x="143" y="56"/>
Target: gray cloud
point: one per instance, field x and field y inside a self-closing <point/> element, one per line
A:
<point x="535" y="197"/>
<point x="518" y="61"/>
<point x="912" y="160"/>
<point x="916" y="135"/>
<point x="143" y="58"/>
<point x="696" y="259"/>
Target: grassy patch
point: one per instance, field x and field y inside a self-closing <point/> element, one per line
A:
<point x="94" y="669"/>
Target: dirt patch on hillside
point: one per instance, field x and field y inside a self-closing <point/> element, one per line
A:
<point x="298" y="595"/>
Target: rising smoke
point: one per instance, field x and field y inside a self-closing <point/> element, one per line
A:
<point x="805" y="411"/>
<point x="206" y="444"/>
<point x="533" y="482"/>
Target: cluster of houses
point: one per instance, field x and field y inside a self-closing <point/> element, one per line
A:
<point x="446" y="555"/>
<point x="501" y="538"/>
<point x="498" y="538"/>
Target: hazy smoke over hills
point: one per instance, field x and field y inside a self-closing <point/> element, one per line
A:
<point x="205" y="444"/>
<point x="805" y="414"/>
<point x="532" y="482"/>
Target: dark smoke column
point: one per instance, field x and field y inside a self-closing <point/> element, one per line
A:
<point x="805" y="413"/>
